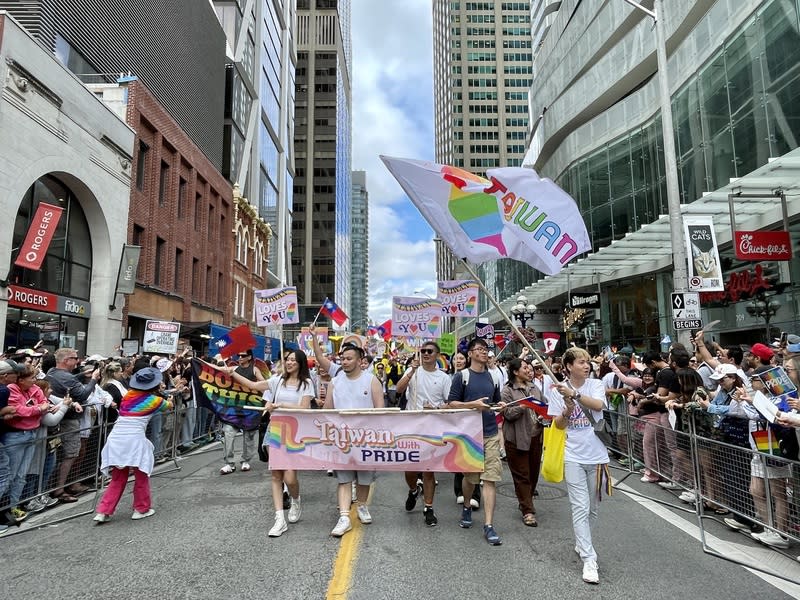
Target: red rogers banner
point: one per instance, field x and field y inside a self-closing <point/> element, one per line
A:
<point x="762" y="245"/>
<point x="377" y="440"/>
<point x="40" y="233"/>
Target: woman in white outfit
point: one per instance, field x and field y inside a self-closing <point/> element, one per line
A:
<point x="572" y="401"/>
<point x="292" y="389"/>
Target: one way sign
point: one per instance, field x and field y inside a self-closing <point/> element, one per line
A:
<point x="686" y="305"/>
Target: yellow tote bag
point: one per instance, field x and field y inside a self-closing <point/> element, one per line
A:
<point x="555" y="440"/>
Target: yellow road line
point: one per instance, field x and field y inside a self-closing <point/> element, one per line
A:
<point x="343" y="566"/>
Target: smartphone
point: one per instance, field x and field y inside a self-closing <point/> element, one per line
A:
<point x="784" y="339"/>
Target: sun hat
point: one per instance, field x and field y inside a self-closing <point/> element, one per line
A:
<point x="146" y="379"/>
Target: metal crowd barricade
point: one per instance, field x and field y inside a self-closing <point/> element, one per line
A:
<point x="52" y="468"/>
<point x="713" y="476"/>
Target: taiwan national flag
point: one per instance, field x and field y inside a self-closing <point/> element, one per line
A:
<point x="331" y="310"/>
<point x="236" y="340"/>
<point x="385" y="330"/>
<point x="537" y="406"/>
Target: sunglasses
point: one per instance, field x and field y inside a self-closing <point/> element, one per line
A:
<point x="427" y="351"/>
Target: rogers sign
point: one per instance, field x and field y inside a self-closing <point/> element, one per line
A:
<point x="40" y="234"/>
<point x="762" y="245"/>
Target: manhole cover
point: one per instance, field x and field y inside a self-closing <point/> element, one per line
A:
<point x="546" y="491"/>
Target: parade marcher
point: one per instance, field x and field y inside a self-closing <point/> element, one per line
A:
<point x="480" y="392"/>
<point x="585" y="457"/>
<point x="353" y="389"/>
<point x="128" y="448"/>
<point x="250" y="437"/>
<point x="459" y="363"/>
<point x="292" y="389"/>
<point x="523" y="437"/>
<point x="425" y="388"/>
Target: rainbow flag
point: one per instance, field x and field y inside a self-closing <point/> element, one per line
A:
<point x="536" y="405"/>
<point x="765" y="442"/>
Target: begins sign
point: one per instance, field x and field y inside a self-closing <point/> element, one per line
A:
<point x="762" y="245"/>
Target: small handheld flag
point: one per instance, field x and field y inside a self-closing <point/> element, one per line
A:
<point x="536" y="405"/>
<point x="236" y="340"/>
<point x="331" y="310"/>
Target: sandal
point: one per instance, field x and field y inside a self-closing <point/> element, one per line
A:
<point x="64" y="497"/>
<point x="530" y="520"/>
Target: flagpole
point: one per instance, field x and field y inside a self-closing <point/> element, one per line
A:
<point x="319" y="312"/>
<point x="507" y="319"/>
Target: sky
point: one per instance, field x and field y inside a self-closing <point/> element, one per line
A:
<point x="392" y="98"/>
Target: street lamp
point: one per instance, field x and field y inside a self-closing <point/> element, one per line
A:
<point x="764" y="308"/>
<point x="523" y="311"/>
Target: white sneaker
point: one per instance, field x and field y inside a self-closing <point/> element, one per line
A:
<point x="279" y="527"/>
<point x="459" y="499"/>
<point x="295" y="510"/>
<point x="735" y="525"/>
<point x="474" y="503"/>
<point x="363" y="514"/>
<point x="669" y="485"/>
<point x="137" y="515"/>
<point x="227" y="469"/>
<point x="688" y="496"/>
<point x="590" y="572"/>
<point x="245" y="466"/>
<point x="342" y="526"/>
<point x="101" y="518"/>
<point x="770" y="538"/>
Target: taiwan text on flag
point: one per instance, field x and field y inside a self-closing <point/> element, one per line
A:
<point x="236" y="340"/>
<point x="331" y="310"/>
<point x="514" y="213"/>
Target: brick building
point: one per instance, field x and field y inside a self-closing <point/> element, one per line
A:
<point x="181" y="214"/>
<point x="251" y="249"/>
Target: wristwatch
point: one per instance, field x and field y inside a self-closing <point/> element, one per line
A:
<point x="577" y="397"/>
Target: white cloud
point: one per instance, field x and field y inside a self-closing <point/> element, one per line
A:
<point x="392" y="87"/>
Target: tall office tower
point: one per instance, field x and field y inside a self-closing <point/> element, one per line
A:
<point x="321" y="262"/>
<point x="259" y="116"/>
<point x="483" y="66"/>
<point x="359" y="237"/>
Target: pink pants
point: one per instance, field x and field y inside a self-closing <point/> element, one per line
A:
<point x="119" y="479"/>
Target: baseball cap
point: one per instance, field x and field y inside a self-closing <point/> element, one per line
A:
<point x="9" y="366"/>
<point x="723" y="370"/>
<point x="761" y="351"/>
<point x="491" y="353"/>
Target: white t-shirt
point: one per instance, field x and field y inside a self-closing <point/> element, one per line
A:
<point x="280" y="393"/>
<point x="352" y="393"/>
<point x="427" y="389"/>
<point x="583" y="445"/>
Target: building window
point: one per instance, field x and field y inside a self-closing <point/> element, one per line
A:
<point x="137" y="239"/>
<point x="182" y="191"/>
<point x="198" y="202"/>
<point x="159" y="266"/>
<point x="177" y="283"/>
<point x="209" y="286"/>
<point x="163" y="183"/>
<point x="195" y="276"/>
<point x="141" y="165"/>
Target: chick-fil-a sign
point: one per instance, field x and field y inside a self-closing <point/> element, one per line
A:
<point x="762" y="245"/>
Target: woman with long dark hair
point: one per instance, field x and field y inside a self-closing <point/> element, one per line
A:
<point x="291" y="389"/>
<point x="523" y="437"/>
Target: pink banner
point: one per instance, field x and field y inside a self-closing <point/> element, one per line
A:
<point x="427" y="440"/>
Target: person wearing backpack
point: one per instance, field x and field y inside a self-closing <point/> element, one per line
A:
<point x="477" y="389"/>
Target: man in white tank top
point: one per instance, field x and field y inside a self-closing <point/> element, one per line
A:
<point x="353" y="388"/>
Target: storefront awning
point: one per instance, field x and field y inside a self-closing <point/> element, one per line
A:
<point x="648" y="250"/>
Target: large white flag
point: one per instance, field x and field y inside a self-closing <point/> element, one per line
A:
<point x="515" y="213"/>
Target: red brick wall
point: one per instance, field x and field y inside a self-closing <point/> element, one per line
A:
<point x="206" y="190"/>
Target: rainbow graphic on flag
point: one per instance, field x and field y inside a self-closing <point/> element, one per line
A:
<point x="765" y="442"/>
<point x="476" y="213"/>
<point x="442" y="362"/>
